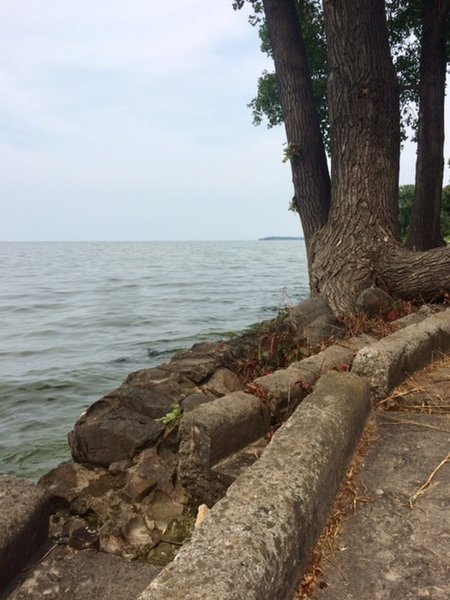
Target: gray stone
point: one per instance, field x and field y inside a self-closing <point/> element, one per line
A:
<point x="325" y="327"/>
<point x="373" y="301"/>
<point x="150" y="402"/>
<point x="223" y="381"/>
<point x="149" y="472"/>
<point x="212" y="432"/>
<point x="257" y="540"/>
<point x="390" y="360"/>
<point x="24" y="521"/>
<point x="195" y="369"/>
<point x="309" y="310"/>
<point x="86" y="575"/>
<point x="173" y="384"/>
<point x="113" y="436"/>
<point x="193" y="401"/>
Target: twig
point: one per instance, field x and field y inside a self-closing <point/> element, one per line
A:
<point x="427" y="483"/>
<point x="393" y="421"/>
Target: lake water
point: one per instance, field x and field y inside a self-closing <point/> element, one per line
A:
<point x="76" y="318"/>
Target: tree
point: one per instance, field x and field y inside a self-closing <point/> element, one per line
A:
<point x="409" y="21"/>
<point x="352" y="239"/>
<point x="425" y="227"/>
<point x="405" y="203"/>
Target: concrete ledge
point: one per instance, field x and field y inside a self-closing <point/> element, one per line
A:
<point x="24" y="513"/>
<point x="213" y="431"/>
<point x="285" y="388"/>
<point x="257" y="540"/>
<point x="390" y="360"/>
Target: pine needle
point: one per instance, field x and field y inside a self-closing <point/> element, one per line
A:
<point x="427" y="483"/>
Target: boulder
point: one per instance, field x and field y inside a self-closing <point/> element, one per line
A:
<point x="174" y="385"/>
<point x="373" y="302"/>
<point x="223" y="381"/>
<point x="150" y="402"/>
<point x="114" y="435"/>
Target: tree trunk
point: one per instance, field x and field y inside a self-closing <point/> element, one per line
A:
<point x="357" y="246"/>
<point x="365" y="149"/>
<point x="414" y="275"/>
<point x="305" y="148"/>
<point x="425" y="226"/>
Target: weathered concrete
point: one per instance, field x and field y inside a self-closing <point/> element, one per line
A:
<point x="285" y="388"/>
<point x="397" y="546"/>
<point x="85" y="575"/>
<point x="24" y="512"/>
<point x="390" y="360"/>
<point x="265" y="527"/>
<point x="210" y="433"/>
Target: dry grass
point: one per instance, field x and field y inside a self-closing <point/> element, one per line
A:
<point x="419" y="393"/>
<point x="351" y="495"/>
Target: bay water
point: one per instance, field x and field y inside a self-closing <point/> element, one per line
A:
<point x="77" y="317"/>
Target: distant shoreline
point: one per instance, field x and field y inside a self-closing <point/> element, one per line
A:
<point x="276" y="237"/>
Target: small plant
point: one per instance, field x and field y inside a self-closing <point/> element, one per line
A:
<point x="172" y="416"/>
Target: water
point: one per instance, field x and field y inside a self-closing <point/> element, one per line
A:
<point x="76" y="318"/>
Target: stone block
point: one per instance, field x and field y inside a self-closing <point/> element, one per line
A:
<point x="257" y="540"/>
<point x="212" y="432"/>
<point x="24" y="518"/>
<point x="389" y="361"/>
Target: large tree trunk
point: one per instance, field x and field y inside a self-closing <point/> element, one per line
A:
<point x="365" y="149"/>
<point x="305" y="147"/>
<point x="425" y="227"/>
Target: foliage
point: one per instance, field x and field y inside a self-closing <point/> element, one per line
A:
<point x="404" y="24"/>
<point x="405" y="202"/>
<point x="406" y="199"/>
<point x="173" y="416"/>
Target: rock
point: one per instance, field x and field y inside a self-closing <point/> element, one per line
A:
<point x="195" y="369"/>
<point x="223" y="381"/>
<point x="373" y="301"/>
<point x="321" y="329"/>
<point x="87" y="575"/>
<point x="69" y="481"/>
<point x="150" y="402"/>
<point x="202" y="513"/>
<point x="24" y="519"/>
<point x="307" y="311"/>
<point x="115" y="435"/>
<point x="162" y="508"/>
<point x="193" y="401"/>
<point x="150" y="472"/>
<point x="174" y="385"/>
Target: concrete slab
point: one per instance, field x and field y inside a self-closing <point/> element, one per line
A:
<point x="390" y="360"/>
<point x="388" y="550"/>
<point x="81" y="575"/>
<point x="256" y="541"/>
<point x="24" y="513"/>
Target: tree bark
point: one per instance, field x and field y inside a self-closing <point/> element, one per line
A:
<point x="305" y="148"/>
<point x="414" y="275"/>
<point x="365" y="145"/>
<point x="425" y="228"/>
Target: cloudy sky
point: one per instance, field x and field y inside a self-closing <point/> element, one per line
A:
<point x="128" y="121"/>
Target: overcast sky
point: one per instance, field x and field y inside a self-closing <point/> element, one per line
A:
<point x="128" y="121"/>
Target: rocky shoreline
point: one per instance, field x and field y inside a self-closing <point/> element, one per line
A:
<point x="170" y="438"/>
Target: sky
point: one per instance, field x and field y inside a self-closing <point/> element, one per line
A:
<point x="129" y="121"/>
